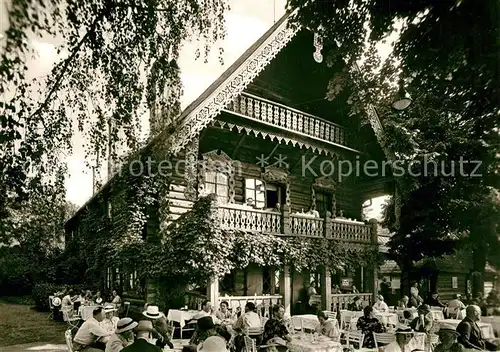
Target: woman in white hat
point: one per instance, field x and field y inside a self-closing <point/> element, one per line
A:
<point x="123" y="335"/>
<point x="109" y="322"/>
<point x="213" y="344"/>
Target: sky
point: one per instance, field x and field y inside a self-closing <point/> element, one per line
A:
<point x="245" y="23"/>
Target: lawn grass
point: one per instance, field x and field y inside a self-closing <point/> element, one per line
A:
<point x="19" y="324"/>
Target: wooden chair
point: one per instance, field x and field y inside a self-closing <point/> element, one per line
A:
<point x="355" y="337"/>
<point x="434" y="341"/>
<point x="250" y="344"/>
<point x="126" y="308"/>
<point x="330" y="315"/>
<point x="383" y="338"/>
<point x="72" y="320"/>
<point x="69" y="340"/>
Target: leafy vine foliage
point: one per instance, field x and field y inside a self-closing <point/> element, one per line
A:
<point x="450" y="70"/>
<point x="117" y="58"/>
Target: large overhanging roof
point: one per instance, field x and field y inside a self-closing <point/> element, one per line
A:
<point x="229" y="85"/>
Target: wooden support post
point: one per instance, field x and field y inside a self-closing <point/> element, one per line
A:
<point x="286" y="289"/>
<point x="328" y="225"/>
<point x="374" y="233"/>
<point x="213" y="292"/>
<point x="286" y="220"/>
<point x="326" y="288"/>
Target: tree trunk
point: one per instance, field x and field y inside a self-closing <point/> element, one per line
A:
<point x="478" y="267"/>
<point x="406" y="267"/>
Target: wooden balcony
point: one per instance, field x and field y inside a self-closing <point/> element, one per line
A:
<point x="244" y="218"/>
<point x="289" y="119"/>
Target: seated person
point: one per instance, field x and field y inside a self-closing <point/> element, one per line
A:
<point x="97" y="298"/>
<point x="162" y="331"/>
<point x="368" y="324"/>
<point x="213" y="344"/>
<point x="380" y="305"/>
<point x="433" y="301"/>
<point x="356" y="305"/>
<point x="91" y="335"/>
<point x="455" y="306"/>
<point x="204" y="330"/>
<point x="425" y="320"/>
<point x="448" y="340"/>
<point x="402" y="342"/>
<point x="327" y="328"/>
<point x="109" y="321"/>
<point x="470" y="335"/>
<point x="407" y="317"/>
<point x="223" y="314"/>
<point x="68" y="301"/>
<point x="275" y="331"/>
<point x="123" y="335"/>
<point x="207" y="311"/>
<point x="247" y="324"/>
<point x="403" y="302"/>
<point x="141" y="343"/>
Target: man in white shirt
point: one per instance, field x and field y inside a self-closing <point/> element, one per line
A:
<point x="91" y="336"/>
<point x="380" y="305"/>
<point x="207" y="311"/>
<point x="402" y="342"/>
<point x="110" y="321"/>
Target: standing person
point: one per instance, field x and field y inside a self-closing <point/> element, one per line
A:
<point x="123" y="336"/>
<point x="415" y="299"/>
<point x="311" y="292"/>
<point x="141" y="344"/>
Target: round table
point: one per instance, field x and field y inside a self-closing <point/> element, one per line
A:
<point x="306" y="344"/>
<point x="305" y="321"/>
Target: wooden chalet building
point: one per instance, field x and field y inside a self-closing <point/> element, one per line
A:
<point x="266" y="117"/>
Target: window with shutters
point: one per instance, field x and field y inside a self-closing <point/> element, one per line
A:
<point x="255" y="190"/>
<point x="217" y="183"/>
<point x="323" y="202"/>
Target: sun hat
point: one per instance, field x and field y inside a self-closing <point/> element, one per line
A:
<point x="424" y="308"/>
<point x="152" y="312"/>
<point x="56" y="301"/>
<point x="125" y="324"/>
<point x="404" y="329"/>
<point x="445" y="327"/>
<point x="144" y="325"/>
<point x="109" y="308"/>
<point x="206" y="323"/>
<point x="213" y="344"/>
<point x="380" y="297"/>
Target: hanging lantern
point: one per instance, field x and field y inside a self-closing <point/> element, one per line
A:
<point x="318" y="45"/>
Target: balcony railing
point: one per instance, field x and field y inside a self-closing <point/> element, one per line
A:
<point x="245" y="218"/>
<point x="302" y="225"/>
<point x="287" y="118"/>
<point x="236" y="217"/>
<point x="262" y="303"/>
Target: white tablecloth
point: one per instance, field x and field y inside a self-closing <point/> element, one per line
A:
<point x="181" y="316"/>
<point x="86" y="311"/>
<point x="486" y="329"/>
<point x="418" y="341"/>
<point x="306" y="321"/>
<point x="387" y="318"/>
<point x="437" y="314"/>
<point x="306" y="345"/>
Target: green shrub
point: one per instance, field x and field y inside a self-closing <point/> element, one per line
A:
<point x="41" y="293"/>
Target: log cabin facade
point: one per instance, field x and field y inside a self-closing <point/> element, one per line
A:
<point x="273" y="139"/>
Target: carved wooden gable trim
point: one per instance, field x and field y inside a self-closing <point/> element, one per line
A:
<point x="325" y="183"/>
<point x="232" y="86"/>
<point x="217" y="161"/>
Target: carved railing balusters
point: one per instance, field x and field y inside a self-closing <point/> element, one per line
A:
<point x="288" y="118"/>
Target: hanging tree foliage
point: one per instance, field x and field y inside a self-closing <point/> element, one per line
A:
<point x="116" y="59"/>
<point x="451" y="72"/>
